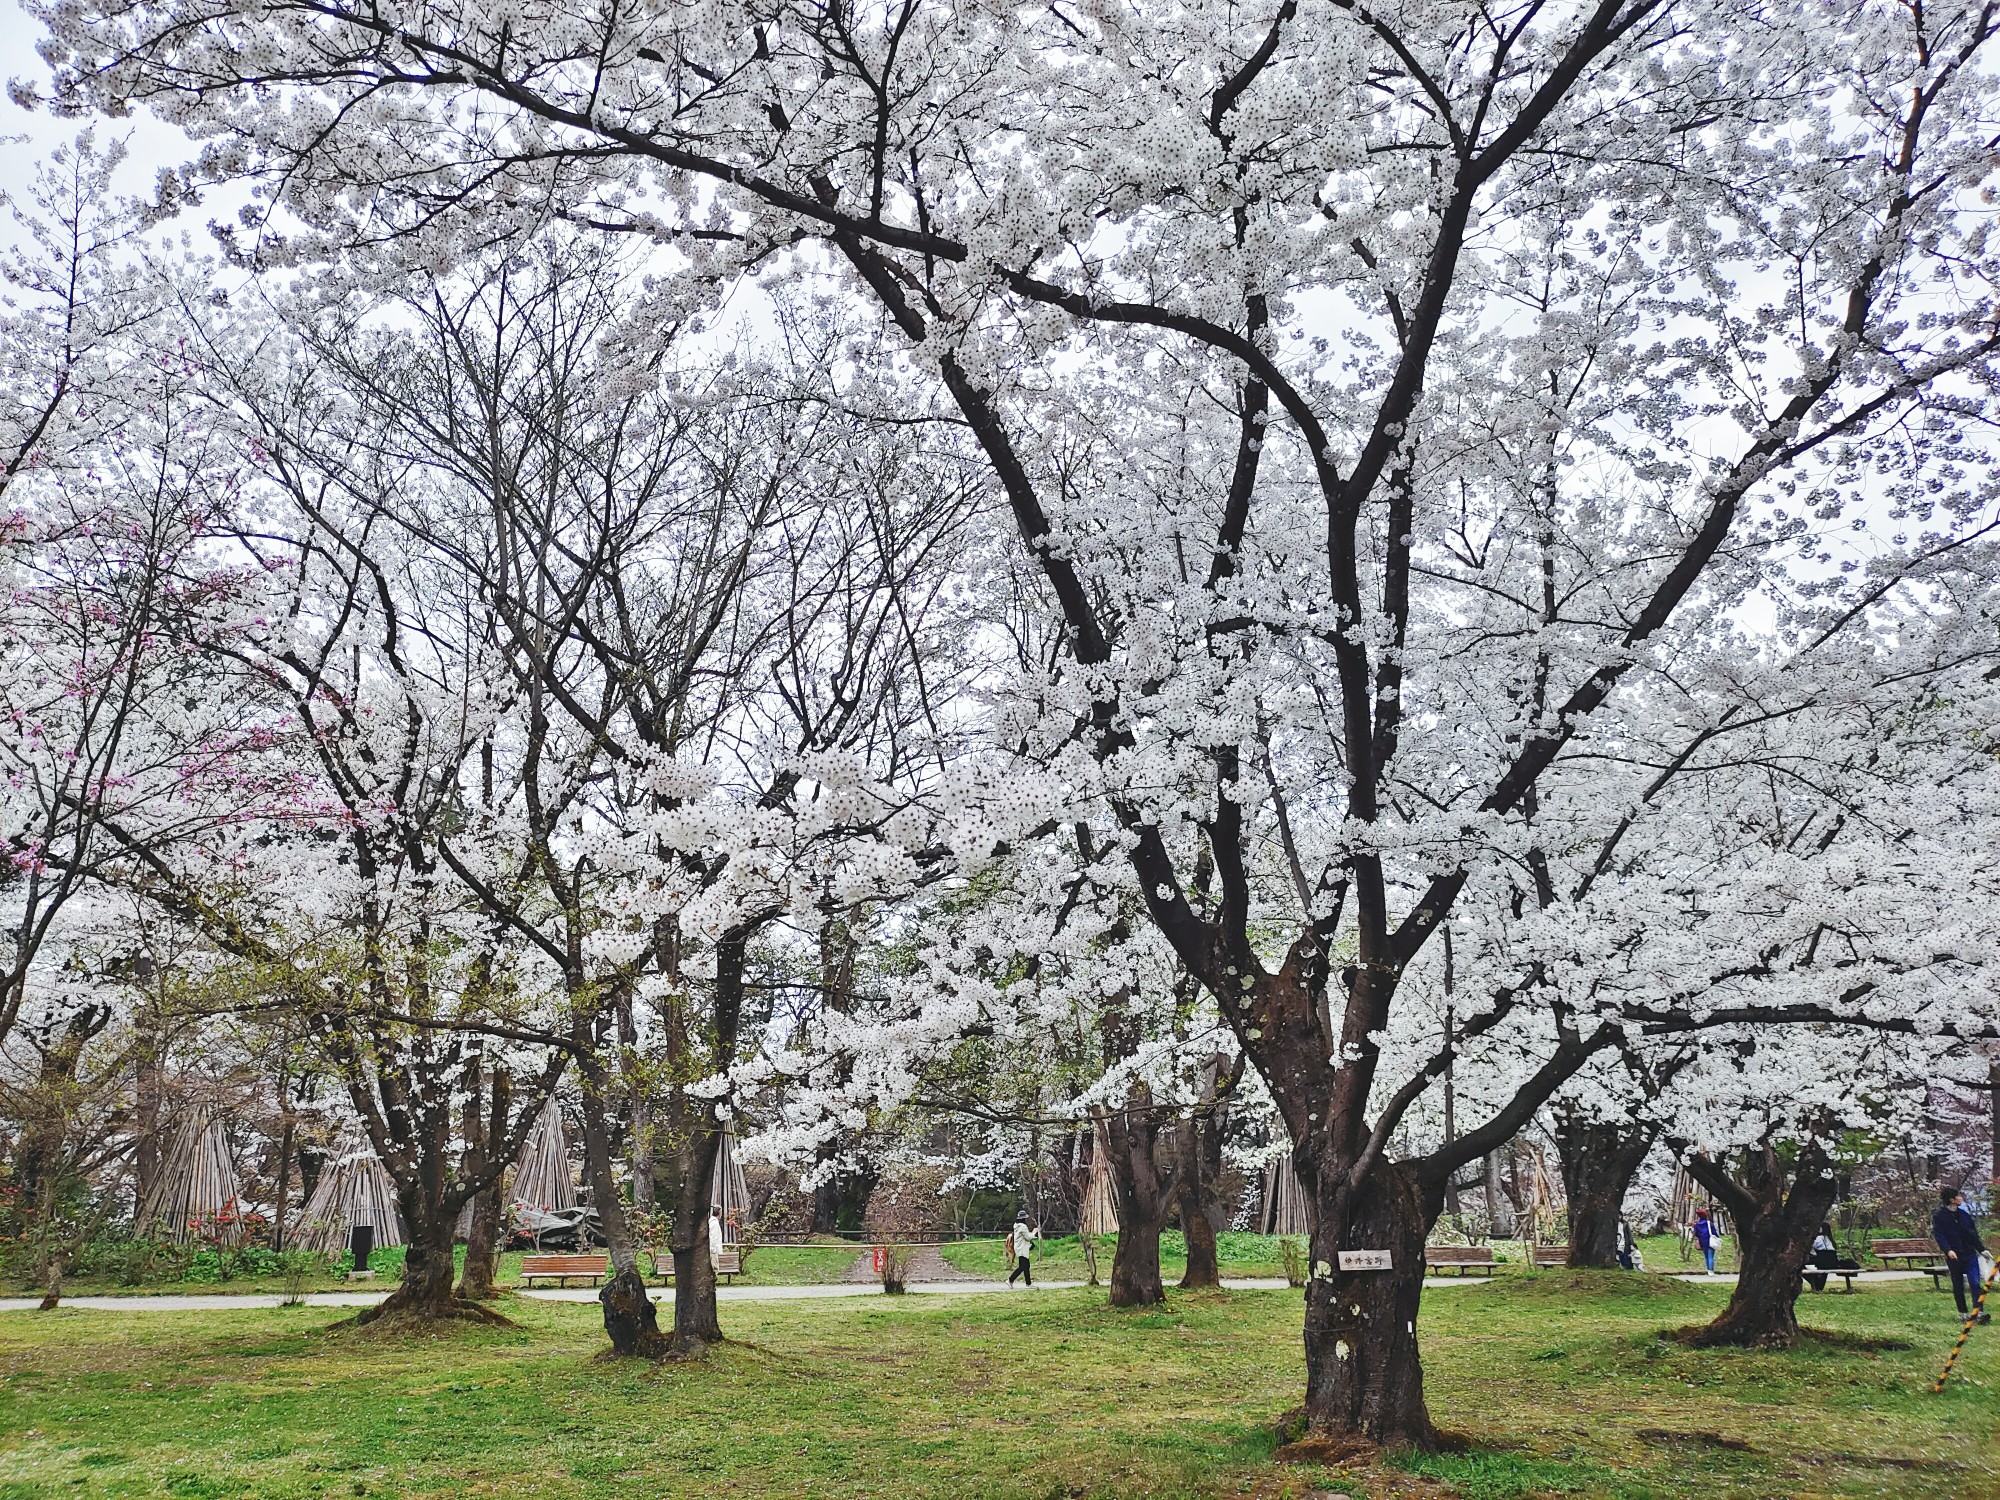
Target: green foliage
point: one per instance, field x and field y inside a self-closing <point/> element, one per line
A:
<point x="1292" y="1253"/>
<point x="299" y="1270"/>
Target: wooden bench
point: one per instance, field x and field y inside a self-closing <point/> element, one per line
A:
<point x="1903" y="1250"/>
<point x="1550" y="1255"/>
<point x="1460" y="1258"/>
<point x="561" y="1267"/>
<point x="729" y="1265"/>
<point x="1845" y="1275"/>
<point x="1911" y="1251"/>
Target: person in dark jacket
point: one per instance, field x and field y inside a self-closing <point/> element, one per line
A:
<point x="1826" y="1257"/>
<point x="1958" y="1237"/>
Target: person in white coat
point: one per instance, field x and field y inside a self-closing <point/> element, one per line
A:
<point x="1021" y="1246"/>
<point x="714" y="1235"/>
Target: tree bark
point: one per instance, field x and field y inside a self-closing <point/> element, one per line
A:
<point x="1993" y="1101"/>
<point x="630" y="1320"/>
<point x="484" y="1136"/>
<point x="1143" y="1192"/>
<point x="1204" y="1265"/>
<point x="1196" y="1179"/>
<point x="1363" y="1376"/>
<point x="1499" y="1212"/>
<point x="1598" y="1162"/>
<point x="282" y="1194"/>
<point x="1775" y="1230"/>
<point x="476" y="1281"/>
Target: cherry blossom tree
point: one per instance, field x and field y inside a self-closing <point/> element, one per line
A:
<point x="1459" y="385"/>
<point x="696" y="610"/>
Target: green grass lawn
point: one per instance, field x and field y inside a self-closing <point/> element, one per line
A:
<point x="768" y="1265"/>
<point x="1060" y="1258"/>
<point x="1562" y="1384"/>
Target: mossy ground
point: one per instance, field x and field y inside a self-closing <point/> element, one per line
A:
<point x="1562" y="1384"/>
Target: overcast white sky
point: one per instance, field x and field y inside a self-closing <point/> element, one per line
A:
<point x="153" y="145"/>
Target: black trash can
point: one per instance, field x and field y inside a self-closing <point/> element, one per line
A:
<point x="361" y="1240"/>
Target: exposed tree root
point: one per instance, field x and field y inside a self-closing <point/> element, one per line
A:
<point x="405" y="1317"/>
<point x="1298" y="1444"/>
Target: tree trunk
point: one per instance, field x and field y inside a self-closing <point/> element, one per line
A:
<point x="630" y="1320"/>
<point x="1993" y="1098"/>
<point x="1499" y="1213"/>
<point x="1204" y="1268"/>
<point x="1143" y="1194"/>
<point x="425" y="1294"/>
<point x="1364" y="1381"/>
<point x="146" y="1157"/>
<point x="1598" y="1162"/>
<point x="281" y="1197"/>
<point x="642" y="1155"/>
<point x="1775" y="1232"/>
<point x="697" y="1323"/>
<point x="476" y="1282"/>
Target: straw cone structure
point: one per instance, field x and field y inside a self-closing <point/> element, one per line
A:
<point x="357" y="1189"/>
<point x="197" y="1180"/>
<point x="543" y="1179"/>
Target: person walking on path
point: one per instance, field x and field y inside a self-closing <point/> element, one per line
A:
<point x="1706" y="1235"/>
<point x="1021" y="1245"/>
<point x="1627" y="1246"/>
<point x="1958" y="1237"/>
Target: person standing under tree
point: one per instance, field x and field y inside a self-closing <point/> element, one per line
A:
<point x="1020" y="1246"/>
<point x="1958" y="1237"/>
<point x="1706" y="1235"/>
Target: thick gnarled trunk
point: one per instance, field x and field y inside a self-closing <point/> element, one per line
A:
<point x="1364" y="1379"/>
<point x="1775" y="1230"/>
<point x="630" y="1321"/>
<point x="1143" y="1193"/>
<point x="1598" y="1163"/>
<point x="425" y="1293"/>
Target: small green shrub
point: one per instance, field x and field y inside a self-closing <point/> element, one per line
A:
<point x="1292" y="1251"/>
<point x="298" y="1269"/>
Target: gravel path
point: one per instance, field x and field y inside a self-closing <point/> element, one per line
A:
<point x="963" y="1284"/>
<point x="933" y="1280"/>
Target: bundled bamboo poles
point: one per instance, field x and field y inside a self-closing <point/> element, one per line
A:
<point x="196" y="1184"/>
<point x="543" y="1180"/>
<point x="357" y="1189"/>
<point x="1100" y="1202"/>
<point x="1284" y="1207"/>
<point x="730" y="1191"/>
